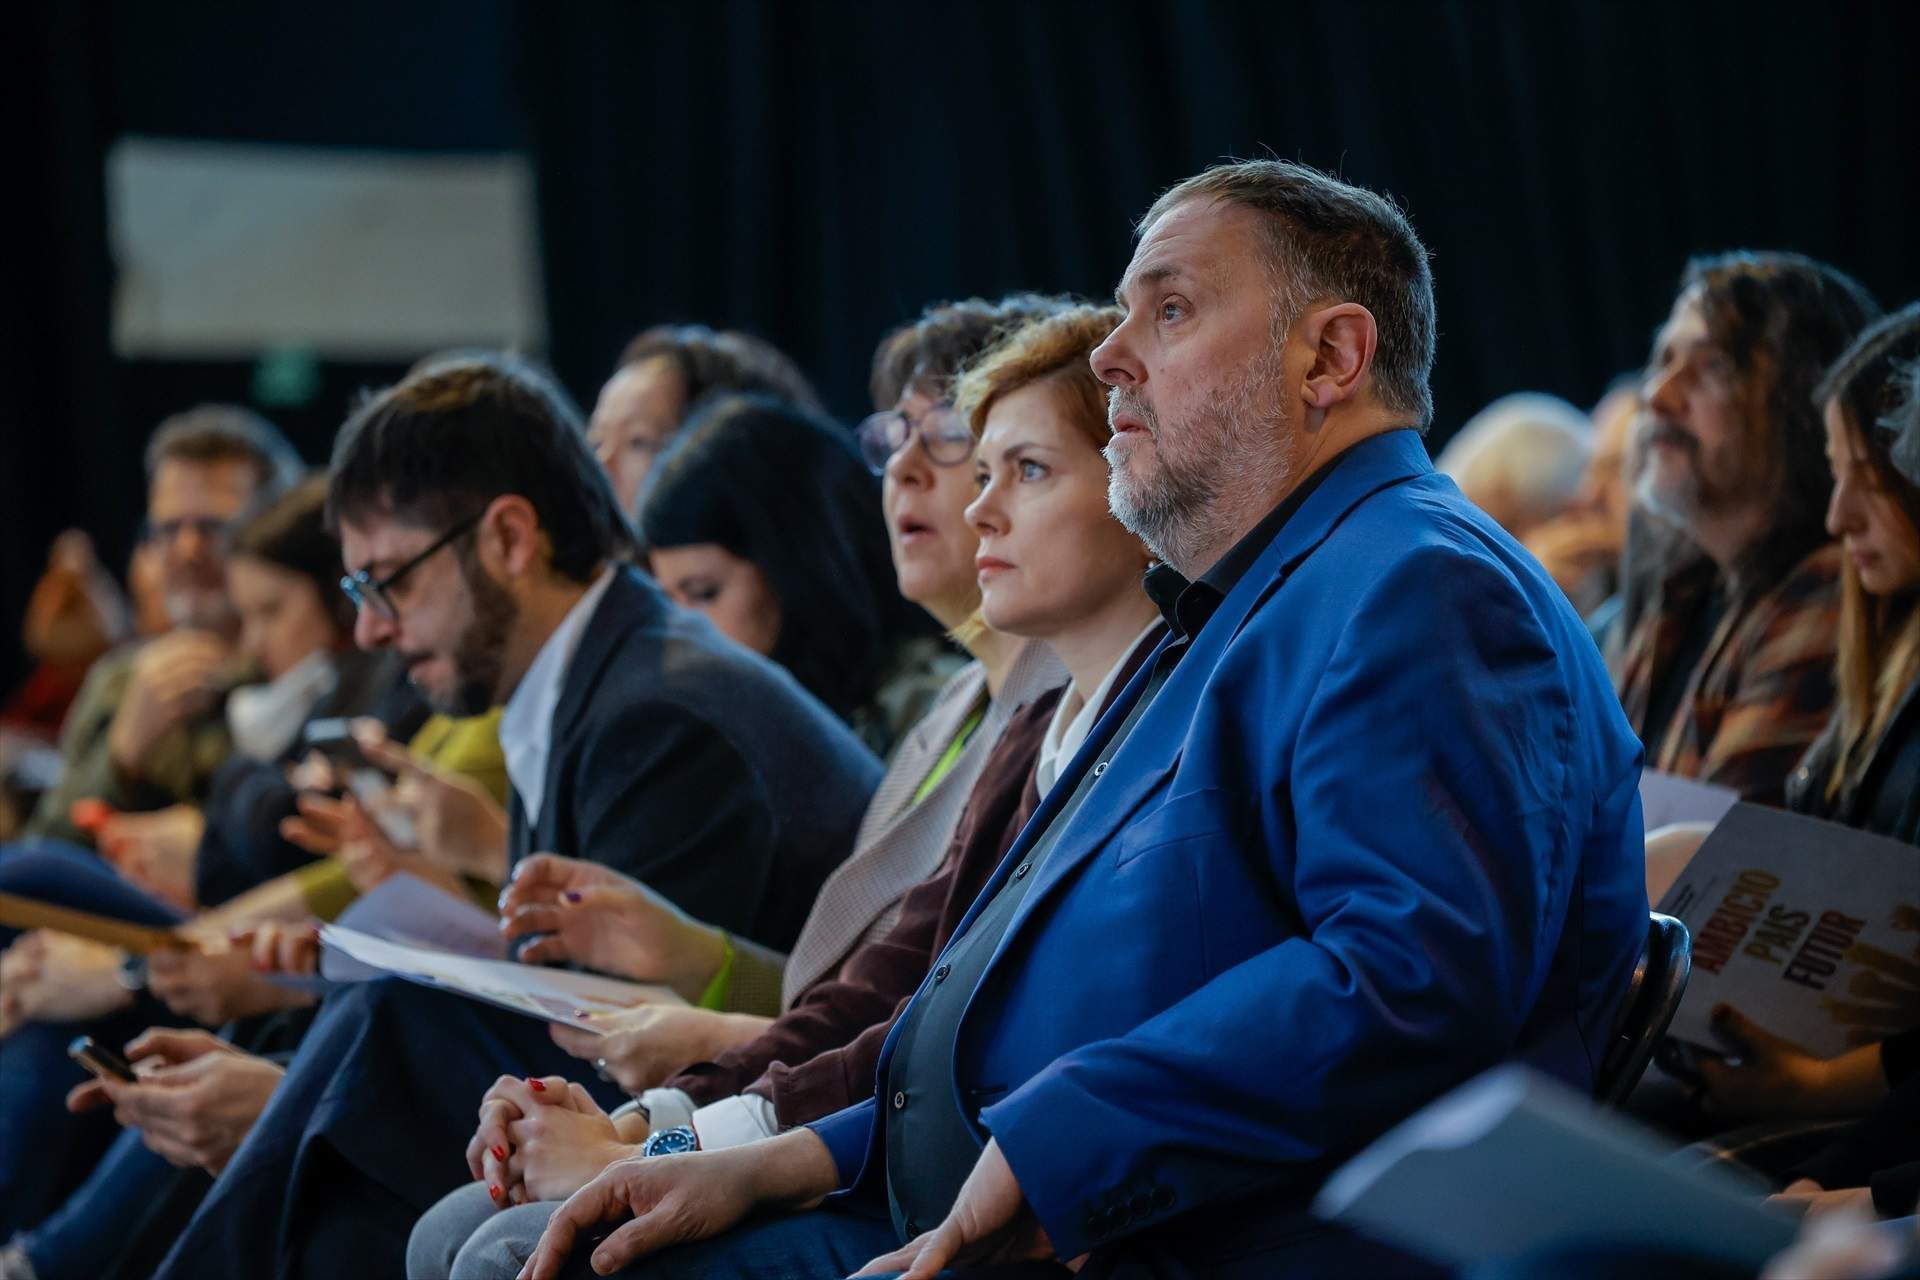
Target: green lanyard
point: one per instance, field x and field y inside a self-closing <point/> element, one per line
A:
<point x="951" y="756"/>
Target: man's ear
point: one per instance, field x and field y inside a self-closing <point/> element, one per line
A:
<point x="1343" y="338"/>
<point x="510" y="539"/>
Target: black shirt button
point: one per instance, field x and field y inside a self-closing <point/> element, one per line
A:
<point x="1096" y="1226"/>
<point x="900" y="1101"/>
<point x="1022" y="870"/>
<point x="1140" y="1207"/>
<point x="1163" y="1198"/>
<point x="940" y="974"/>
<point x="913" y="1228"/>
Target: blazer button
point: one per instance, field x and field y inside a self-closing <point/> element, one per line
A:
<point x="1096" y="1226"/>
<point x="940" y="974"/>
<point x="1022" y="870"/>
<point x="1163" y="1198"/>
<point x="1100" y="768"/>
<point x="900" y="1101"/>
<point x="1140" y="1207"/>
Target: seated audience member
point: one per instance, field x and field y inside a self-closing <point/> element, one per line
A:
<point x="195" y="1114"/>
<point x="1727" y="675"/>
<point x="1521" y="459"/>
<point x="146" y="730"/>
<point x="297" y="632"/>
<point x="1312" y="869"/>
<point x="761" y="516"/>
<point x="1054" y="565"/>
<point x="1864" y="769"/>
<point x="1582" y="546"/>
<point x="663" y="375"/>
<point x="487" y="550"/>
<point x="74" y="616"/>
<point x="283" y="575"/>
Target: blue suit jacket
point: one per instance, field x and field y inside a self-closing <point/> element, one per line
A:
<point x="1379" y="830"/>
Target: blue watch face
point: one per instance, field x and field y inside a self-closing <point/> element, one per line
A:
<point x="671" y="1142"/>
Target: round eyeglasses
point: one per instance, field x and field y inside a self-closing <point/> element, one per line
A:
<point x="943" y="436"/>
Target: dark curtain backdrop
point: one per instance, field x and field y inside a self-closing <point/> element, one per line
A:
<point x="817" y="170"/>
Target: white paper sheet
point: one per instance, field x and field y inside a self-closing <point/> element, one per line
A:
<point x="551" y="995"/>
<point x="404" y="908"/>
<point x="1667" y="798"/>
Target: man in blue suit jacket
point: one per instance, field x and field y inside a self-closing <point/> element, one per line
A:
<point x="1366" y="825"/>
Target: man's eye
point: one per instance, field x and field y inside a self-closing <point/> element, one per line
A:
<point x="979" y="479"/>
<point x="1172" y="309"/>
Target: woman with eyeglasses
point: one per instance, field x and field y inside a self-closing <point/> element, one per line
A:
<point x="761" y="516"/>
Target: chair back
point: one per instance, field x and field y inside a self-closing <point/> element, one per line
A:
<point x="1659" y="980"/>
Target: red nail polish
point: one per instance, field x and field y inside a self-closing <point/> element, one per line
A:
<point x="494" y="1192"/>
<point x="536" y="1086"/>
<point x="499" y="1153"/>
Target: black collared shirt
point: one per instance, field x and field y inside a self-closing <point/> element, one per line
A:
<point x="929" y="1139"/>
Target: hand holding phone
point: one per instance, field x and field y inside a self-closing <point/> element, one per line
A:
<point x="100" y="1060"/>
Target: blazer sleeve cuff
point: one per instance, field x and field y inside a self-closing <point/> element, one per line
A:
<point x="1067" y="1150"/>
<point x="848" y="1134"/>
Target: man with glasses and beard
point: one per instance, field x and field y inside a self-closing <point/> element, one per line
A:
<point x="1727" y="675"/>
<point x="1366" y="824"/>
<point x="147" y="729"/>
<point x="486" y="547"/>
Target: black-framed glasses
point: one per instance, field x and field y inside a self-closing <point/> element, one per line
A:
<point x="369" y="592"/>
<point x="943" y="436"/>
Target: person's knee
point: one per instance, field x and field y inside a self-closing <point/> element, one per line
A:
<point x="437" y="1237"/>
<point x="500" y="1246"/>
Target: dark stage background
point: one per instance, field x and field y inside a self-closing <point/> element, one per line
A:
<point x="816" y="171"/>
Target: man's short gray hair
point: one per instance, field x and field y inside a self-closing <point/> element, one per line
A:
<point x="1331" y="239"/>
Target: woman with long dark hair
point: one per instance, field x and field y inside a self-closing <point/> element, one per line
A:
<point x="762" y="516"/>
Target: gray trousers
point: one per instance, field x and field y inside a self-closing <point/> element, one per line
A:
<point x="465" y="1237"/>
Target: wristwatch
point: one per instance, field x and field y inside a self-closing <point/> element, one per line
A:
<point x="671" y="1142"/>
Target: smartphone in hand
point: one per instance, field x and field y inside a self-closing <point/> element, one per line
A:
<point x="333" y="738"/>
<point x="100" y="1060"/>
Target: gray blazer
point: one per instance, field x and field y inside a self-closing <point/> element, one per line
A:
<point x="900" y="843"/>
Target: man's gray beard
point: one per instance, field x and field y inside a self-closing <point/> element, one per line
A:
<point x="1677" y="502"/>
<point x="1229" y="470"/>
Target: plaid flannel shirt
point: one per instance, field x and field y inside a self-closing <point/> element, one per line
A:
<point x="1763" y="689"/>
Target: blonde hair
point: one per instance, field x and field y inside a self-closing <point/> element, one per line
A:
<point x="1879" y="637"/>
<point x="1053" y="348"/>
